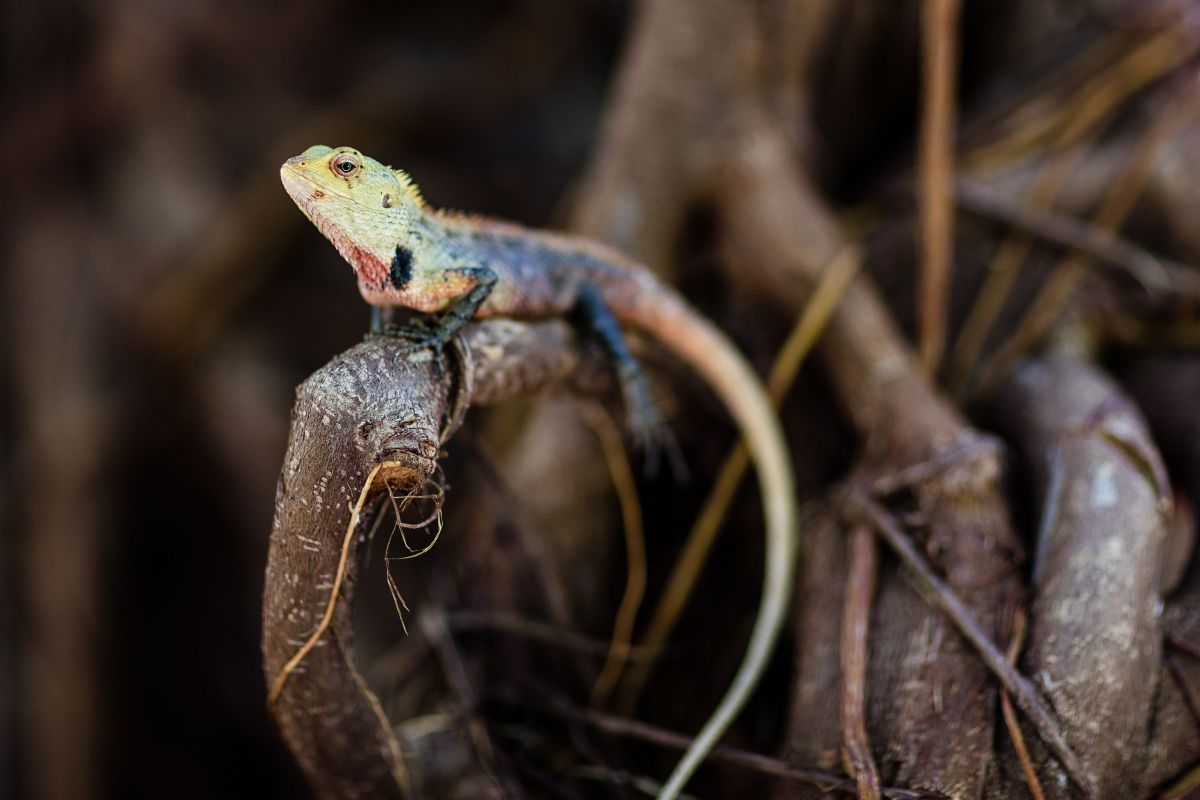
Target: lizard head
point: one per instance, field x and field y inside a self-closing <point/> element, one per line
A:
<point x="365" y="208"/>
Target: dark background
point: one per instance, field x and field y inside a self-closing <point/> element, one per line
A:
<point x="161" y="299"/>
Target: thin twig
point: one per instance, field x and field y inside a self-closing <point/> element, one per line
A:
<point x="1153" y="272"/>
<point x="532" y="534"/>
<point x="860" y="586"/>
<point x="1024" y="124"/>
<point x="539" y="632"/>
<point x="625" y="486"/>
<point x="1189" y="785"/>
<point x="1010" y="716"/>
<point x="944" y="598"/>
<point x="396" y="763"/>
<point x="940" y="62"/>
<point x="1179" y="334"/>
<point x="1062" y="283"/>
<point x="1184" y="645"/>
<point x="809" y="326"/>
<point x="1079" y="120"/>
<point x="335" y="590"/>
<point x="398" y="524"/>
<point x="972" y="447"/>
<point x="1190" y="698"/>
<point x="1186" y="788"/>
<point x="631" y="728"/>
<point x="433" y="625"/>
<point x="1004" y="268"/>
<point x="614" y="777"/>
<point x="1067" y="114"/>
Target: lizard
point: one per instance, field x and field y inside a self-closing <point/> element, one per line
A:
<point x="459" y="267"/>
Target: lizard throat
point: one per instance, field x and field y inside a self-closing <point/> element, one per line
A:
<point x="372" y="271"/>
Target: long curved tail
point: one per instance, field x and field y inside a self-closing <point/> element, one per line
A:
<point x="665" y="316"/>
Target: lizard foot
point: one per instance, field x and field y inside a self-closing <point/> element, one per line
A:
<point x="422" y="334"/>
<point x="651" y="434"/>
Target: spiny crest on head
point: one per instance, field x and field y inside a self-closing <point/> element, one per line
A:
<point x="410" y="187"/>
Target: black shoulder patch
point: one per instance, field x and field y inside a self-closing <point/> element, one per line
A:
<point x="402" y="267"/>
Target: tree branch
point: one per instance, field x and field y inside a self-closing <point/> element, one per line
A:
<point x="370" y="413"/>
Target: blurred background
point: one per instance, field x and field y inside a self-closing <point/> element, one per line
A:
<point x="162" y="297"/>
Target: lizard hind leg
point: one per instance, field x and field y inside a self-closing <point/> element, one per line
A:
<point x="650" y="431"/>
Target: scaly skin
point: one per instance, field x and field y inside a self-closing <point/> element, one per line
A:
<point x="408" y="255"/>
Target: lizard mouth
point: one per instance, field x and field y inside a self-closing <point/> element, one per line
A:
<point x="311" y="197"/>
<point x="302" y="189"/>
<point x="308" y="194"/>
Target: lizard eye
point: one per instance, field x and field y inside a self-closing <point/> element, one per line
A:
<point x="345" y="165"/>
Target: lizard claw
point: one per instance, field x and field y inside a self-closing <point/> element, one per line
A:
<point x="655" y="439"/>
<point x="421" y="335"/>
<point x="651" y="434"/>
<point x="417" y="329"/>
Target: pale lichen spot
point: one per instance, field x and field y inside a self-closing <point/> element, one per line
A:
<point x="1113" y="548"/>
<point x="1104" y="487"/>
<point x="1122" y="634"/>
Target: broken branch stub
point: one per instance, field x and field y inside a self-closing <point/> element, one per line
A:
<point x="370" y="419"/>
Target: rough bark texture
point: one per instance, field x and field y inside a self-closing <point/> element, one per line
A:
<point x="923" y="676"/>
<point x="1095" y="640"/>
<point x="1165" y="388"/>
<point x="162" y="298"/>
<point x="696" y="125"/>
<point x="370" y="406"/>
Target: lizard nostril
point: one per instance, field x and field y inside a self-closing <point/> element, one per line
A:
<point x="387" y="201"/>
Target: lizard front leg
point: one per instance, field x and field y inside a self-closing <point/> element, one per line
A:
<point x="381" y="320"/>
<point x="464" y="307"/>
<point x="434" y="334"/>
